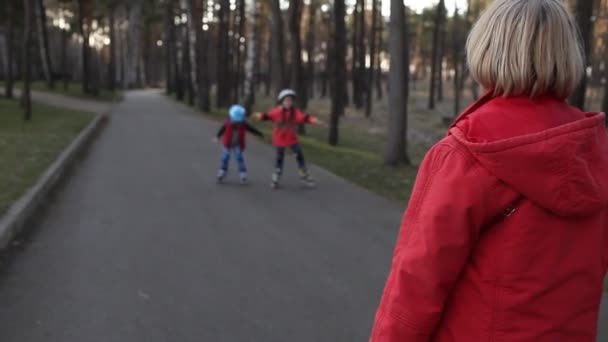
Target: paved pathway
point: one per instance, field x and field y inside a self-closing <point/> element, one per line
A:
<point x="142" y="245"/>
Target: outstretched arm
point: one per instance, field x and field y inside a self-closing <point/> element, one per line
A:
<point x="221" y="131"/>
<point x="253" y="130"/>
<point x="262" y="117"/>
<point x="304" y="118"/>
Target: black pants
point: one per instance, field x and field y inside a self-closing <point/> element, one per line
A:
<point x="297" y="149"/>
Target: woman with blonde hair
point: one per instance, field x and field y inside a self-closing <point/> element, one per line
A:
<point x="506" y="234"/>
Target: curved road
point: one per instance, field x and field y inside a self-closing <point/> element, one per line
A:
<point x="142" y="245"/>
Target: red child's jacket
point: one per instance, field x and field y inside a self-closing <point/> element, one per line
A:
<point x="233" y="134"/>
<point x="506" y="233"/>
<point x="286" y="122"/>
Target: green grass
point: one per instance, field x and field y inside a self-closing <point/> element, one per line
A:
<point x="357" y="158"/>
<point x="75" y="90"/>
<point x="27" y="149"/>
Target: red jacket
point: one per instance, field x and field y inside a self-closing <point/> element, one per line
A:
<point x="234" y="134"/>
<point x="286" y="122"/>
<point x="506" y="234"/>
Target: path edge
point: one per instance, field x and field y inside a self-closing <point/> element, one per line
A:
<point x="25" y="208"/>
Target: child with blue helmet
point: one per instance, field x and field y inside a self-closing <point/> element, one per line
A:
<point x="233" y="132"/>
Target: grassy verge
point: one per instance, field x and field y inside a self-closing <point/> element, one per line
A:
<point x="27" y="149"/>
<point x="75" y="90"/>
<point x="357" y="158"/>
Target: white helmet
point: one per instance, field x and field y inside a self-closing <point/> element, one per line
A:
<point x="284" y="93"/>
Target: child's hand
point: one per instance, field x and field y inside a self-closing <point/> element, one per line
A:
<point x="215" y="140"/>
<point x="258" y="116"/>
<point x="320" y="123"/>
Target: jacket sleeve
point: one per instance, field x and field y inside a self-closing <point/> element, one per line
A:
<point x="221" y="131"/>
<point x="304" y="118"/>
<point x="448" y="207"/>
<point x="271" y="115"/>
<point x="253" y="130"/>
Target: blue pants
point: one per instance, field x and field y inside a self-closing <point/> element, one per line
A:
<point x="297" y="149"/>
<point x="238" y="155"/>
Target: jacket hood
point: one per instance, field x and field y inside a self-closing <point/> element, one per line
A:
<point x="561" y="166"/>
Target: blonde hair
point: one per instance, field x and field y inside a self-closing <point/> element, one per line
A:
<point x="526" y="48"/>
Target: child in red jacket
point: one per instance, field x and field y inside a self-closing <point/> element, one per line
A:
<point x="286" y="119"/>
<point x="233" y="132"/>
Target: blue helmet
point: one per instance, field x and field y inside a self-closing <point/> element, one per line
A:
<point x="237" y="113"/>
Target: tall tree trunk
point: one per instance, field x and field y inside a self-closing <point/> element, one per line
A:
<point x="278" y="47"/>
<point x="372" y="56"/>
<point x="396" y="143"/>
<point x="379" y="65"/>
<point x="222" y="55"/>
<point x="435" y="53"/>
<point x="112" y="65"/>
<point x="26" y="100"/>
<point x="354" y="69"/>
<point x="64" y="60"/>
<point x="43" y="39"/>
<point x="133" y="72"/>
<point x="251" y="58"/>
<point x="122" y="58"/>
<point x="169" y="44"/>
<point x="10" y="46"/>
<point x="456" y="48"/>
<point x="339" y="71"/>
<point x="309" y="79"/>
<point x="241" y="31"/>
<point x="462" y="67"/>
<point x="295" y="16"/>
<point x="362" y="53"/>
<point x="329" y="49"/>
<point x="85" y="45"/>
<point x="268" y="48"/>
<point x="295" y="21"/>
<point x="583" y="13"/>
<point x="441" y="53"/>
<point x="144" y="78"/>
<point x="202" y="77"/>
<point x="187" y="66"/>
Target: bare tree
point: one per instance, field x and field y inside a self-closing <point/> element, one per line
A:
<point x="372" y="54"/>
<point x="435" y="63"/>
<point x="111" y="81"/>
<point x="310" y="51"/>
<point x="396" y="144"/>
<point x="278" y="48"/>
<point x="379" y="64"/>
<point x="251" y="57"/>
<point x="26" y="100"/>
<point x="187" y="63"/>
<point x="295" y="17"/>
<point x="82" y="12"/>
<point x="238" y="47"/>
<point x="202" y="77"/>
<point x="10" y="45"/>
<point x="43" y="40"/>
<point x="222" y="54"/>
<point x="338" y="88"/>
<point x="461" y="66"/>
<point x="169" y="44"/>
<point x="583" y="13"/>
<point x="442" y="52"/>
<point x="456" y="52"/>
